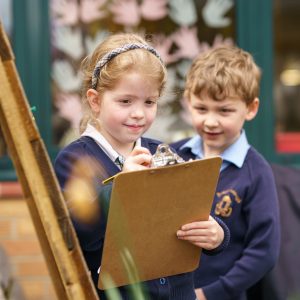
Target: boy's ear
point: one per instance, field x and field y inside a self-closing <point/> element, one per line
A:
<point x="93" y="98"/>
<point x="252" y="109"/>
<point x="187" y="104"/>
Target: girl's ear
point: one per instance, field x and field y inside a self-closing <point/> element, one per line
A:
<point x="93" y="98"/>
<point x="252" y="109"/>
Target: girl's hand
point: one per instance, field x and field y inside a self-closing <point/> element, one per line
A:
<point x="204" y="234"/>
<point x="200" y="295"/>
<point x="139" y="159"/>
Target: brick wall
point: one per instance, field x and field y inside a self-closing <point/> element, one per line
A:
<point x="19" y="241"/>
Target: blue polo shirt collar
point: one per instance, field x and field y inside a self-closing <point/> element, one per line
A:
<point x="234" y="154"/>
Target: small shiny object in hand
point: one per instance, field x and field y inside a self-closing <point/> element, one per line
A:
<point x="164" y="156"/>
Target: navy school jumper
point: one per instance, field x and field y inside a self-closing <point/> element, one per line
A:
<point x="91" y="237"/>
<point x="246" y="201"/>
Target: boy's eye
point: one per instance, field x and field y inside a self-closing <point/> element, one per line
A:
<point x="226" y="110"/>
<point x="200" y="108"/>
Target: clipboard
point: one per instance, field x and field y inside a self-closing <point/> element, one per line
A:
<point x="147" y="207"/>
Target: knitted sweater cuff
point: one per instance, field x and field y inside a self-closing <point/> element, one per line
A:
<point x="225" y="241"/>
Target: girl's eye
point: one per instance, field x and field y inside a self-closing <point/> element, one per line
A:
<point x="150" y="102"/>
<point x="125" y="101"/>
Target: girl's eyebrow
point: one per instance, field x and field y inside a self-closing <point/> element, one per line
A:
<point x="122" y="95"/>
<point x="135" y="96"/>
<point x="153" y="97"/>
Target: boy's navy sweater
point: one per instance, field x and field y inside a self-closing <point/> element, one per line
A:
<point x="252" y="218"/>
<point x="91" y="238"/>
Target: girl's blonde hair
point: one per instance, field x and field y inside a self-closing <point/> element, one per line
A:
<point x="140" y="60"/>
<point x="224" y="72"/>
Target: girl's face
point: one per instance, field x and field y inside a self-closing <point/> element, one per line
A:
<point x="126" y="111"/>
<point x="219" y="123"/>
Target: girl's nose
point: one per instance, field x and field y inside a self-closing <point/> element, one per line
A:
<point x="137" y="113"/>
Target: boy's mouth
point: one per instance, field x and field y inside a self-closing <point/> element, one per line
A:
<point x="212" y="133"/>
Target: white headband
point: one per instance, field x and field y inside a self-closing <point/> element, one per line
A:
<point x="110" y="55"/>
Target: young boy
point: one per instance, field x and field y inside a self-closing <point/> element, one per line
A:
<point x="222" y="90"/>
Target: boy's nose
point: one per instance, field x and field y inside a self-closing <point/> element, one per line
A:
<point x="211" y="121"/>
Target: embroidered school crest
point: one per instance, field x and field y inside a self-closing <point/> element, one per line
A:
<point x="224" y="205"/>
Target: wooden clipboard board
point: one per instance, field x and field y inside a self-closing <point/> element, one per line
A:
<point x="146" y="209"/>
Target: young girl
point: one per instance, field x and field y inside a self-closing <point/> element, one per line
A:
<point x="123" y="79"/>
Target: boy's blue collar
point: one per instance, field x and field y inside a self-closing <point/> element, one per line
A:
<point x="234" y="154"/>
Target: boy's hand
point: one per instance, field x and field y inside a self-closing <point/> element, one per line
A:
<point x="204" y="234"/>
<point x="138" y="159"/>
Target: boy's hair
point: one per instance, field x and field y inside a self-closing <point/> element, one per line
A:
<point x="140" y="60"/>
<point x="224" y="72"/>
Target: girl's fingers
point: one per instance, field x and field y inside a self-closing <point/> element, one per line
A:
<point x="142" y="159"/>
<point x="139" y="159"/>
<point x="139" y="150"/>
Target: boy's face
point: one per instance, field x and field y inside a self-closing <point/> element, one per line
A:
<point x="219" y="123"/>
<point x="127" y="111"/>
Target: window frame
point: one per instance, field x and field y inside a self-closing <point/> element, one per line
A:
<point x="32" y="48"/>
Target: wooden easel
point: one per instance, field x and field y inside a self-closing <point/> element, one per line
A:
<point x="42" y="193"/>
